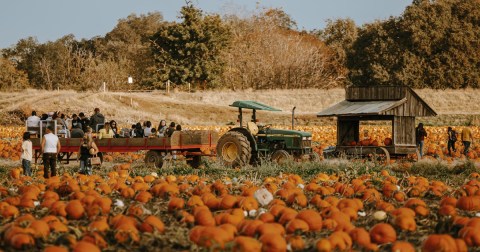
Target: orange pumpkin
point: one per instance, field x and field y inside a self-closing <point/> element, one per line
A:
<point x="403" y="246"/>
<point x="295" y="225"/>
<point x="323" y="245"/>
<point x="246" y="244"/>
<point x="405" y="222"/>
<point x="383" y="233"/>
<point x="273" y="242"/>
<point x="437" y="242"/>
<point x="75" y="209"/>
<point x="312" y="218"/>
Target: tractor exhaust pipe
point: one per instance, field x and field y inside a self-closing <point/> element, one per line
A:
<point x="293" y="117"/>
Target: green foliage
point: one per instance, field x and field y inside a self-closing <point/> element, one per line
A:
<point x="434" y="44"/>
<point x="189" y="52"/>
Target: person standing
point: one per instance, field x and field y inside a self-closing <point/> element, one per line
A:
<point x="96" y="119"/>
<point x="26" y="154"/>
<point x="452" y="138"/>
<point x="420" y="134"/>
<point x="50" y="148"/>
<point x="467" y="139"/>
<point x="86" y="151"/>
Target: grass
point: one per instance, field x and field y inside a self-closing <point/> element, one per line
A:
<point x="455" y="107"/>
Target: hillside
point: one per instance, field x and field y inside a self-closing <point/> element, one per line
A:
<point x="456" y="107"/>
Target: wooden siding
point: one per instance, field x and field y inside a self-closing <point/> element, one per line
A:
<point x="414" y="106"/>
<point x="375" y="93"/>
<point x="404" y="130"/>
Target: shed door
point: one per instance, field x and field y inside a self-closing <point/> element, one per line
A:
<point x="348" y="130"/>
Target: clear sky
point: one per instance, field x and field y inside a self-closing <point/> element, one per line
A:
<point x="48" y="20"/>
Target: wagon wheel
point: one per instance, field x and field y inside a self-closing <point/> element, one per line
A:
<point x="194" y="161"/>
<point x="281" y="156"/>
<point x="381" y="156"/>
<point x="154" y="158"/>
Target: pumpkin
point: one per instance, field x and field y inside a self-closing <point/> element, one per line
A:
<point x="22" y="241"/>
<point x="85" y="246"/>
<point x="387" y="141"/>
<point x="295" y="225"/>
<point x="152" y="223"/>
<point x="405" y="222"/>
<point x="403" y="246"/>
<point x="323" y="245"/>
<point x="204" y="218"/>
<point x="361" y="237"/>
<point x="340" y="240"/>
<point x="75" y="209"/>
<point x="246" y="244"/>
<point x="296" y="242"/>
<point x="312" y="218"/>
<point x="176" y="204"/>
<point x="271" y="228"/>
<point x="470" y="235"/>
<point x="56" y="249"/>
<point x="273" y="242"/>
<point x="439" y="242"/>
<point x="469" y="203"/>
<point x="42" y="230"/>
<point x="383" y="233"/>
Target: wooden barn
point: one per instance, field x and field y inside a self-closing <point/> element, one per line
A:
<point x="396" y="104"/>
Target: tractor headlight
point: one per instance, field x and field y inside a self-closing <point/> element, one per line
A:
<point x="304" y="138"/>
<point x="309" y="138"/>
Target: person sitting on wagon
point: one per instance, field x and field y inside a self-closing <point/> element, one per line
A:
<point x="113" y="126"/>
<point x="77" y="131"/>
<point x="105" y="132"/>
<point x="162" y="128"/>
<point x="178" y="128"/>
<point x="96" y="119"/>
<point x="154" y="133"/>
<point x="84" y="121"/>
<point x="148" y="129"/>
<point x="170" y="129"/>
<point x="138" y="131"/>
<point x="33" y="120"/>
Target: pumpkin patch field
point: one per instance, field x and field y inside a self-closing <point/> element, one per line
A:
<point x="331" y="205"/>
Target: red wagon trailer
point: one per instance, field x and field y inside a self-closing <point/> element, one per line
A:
<point x="189" y="143"/>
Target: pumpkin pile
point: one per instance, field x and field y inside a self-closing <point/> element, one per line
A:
<point x="377" y="211"/>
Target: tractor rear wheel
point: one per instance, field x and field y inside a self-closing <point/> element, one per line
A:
<point x="281" y="156"/>
<point x="233" y="149"/>
<point x="154" y="158"/>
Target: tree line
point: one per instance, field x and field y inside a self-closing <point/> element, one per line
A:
<point x="434" y="43"/>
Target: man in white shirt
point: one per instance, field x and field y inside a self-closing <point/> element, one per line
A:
<point x="50" y="149"/>
<point x="33" y="120"/>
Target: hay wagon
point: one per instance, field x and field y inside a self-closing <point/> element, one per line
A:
<point x="191" y="144"/>
<point x="397" y="106"/>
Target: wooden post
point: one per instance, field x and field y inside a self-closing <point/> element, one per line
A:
<point x="168" y="86"/>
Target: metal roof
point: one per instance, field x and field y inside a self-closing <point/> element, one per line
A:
<point x="253" y="105"/>
<point x="349" y="108"/>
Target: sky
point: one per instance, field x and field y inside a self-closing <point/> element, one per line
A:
<point x="49" y="20"/>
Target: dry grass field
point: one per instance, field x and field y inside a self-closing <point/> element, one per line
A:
<point x="455" y="107"/>
<point x="331" y="205"/>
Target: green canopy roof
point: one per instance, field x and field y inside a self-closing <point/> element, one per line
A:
<point x="253" y="105"/>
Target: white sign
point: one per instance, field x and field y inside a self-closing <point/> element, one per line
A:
<point x="130" y="80"/>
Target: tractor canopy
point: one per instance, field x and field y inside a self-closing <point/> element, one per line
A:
<point x="253" y="105"/>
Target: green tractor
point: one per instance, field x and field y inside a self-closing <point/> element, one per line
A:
<point x="250" y="143"/>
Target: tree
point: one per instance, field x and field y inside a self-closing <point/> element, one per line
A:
<point x="189" y="52"/>
<point x="266" y="55"/>
<point x="10" y="77"/>
<point x="433" y="44"/>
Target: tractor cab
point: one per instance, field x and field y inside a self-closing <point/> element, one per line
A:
<point x="251" y="141"/>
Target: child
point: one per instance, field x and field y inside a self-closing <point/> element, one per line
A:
<point x="26" y="154"/>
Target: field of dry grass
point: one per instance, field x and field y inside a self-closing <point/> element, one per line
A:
<point x="455" y="107"/>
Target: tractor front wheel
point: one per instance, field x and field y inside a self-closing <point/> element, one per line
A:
<point x="233" y="149"/>
<point x="281" y="156"/>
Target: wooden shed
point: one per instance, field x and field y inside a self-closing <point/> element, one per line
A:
<point x="397" y="104"/>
